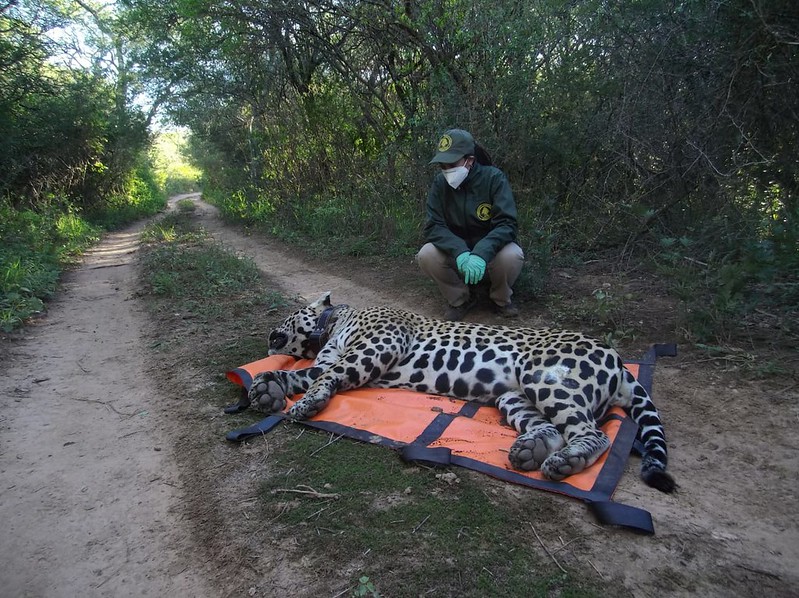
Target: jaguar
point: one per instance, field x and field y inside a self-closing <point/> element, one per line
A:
<point x="551" y="386"/>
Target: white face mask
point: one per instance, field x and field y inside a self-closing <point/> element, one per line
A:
<point x="455" y="176"/>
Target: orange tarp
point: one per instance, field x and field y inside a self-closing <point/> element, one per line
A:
<point x="402" y="416"/>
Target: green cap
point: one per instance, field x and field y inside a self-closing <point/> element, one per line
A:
<point x="453" y="145"/>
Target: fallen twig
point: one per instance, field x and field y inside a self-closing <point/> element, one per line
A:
<point x="283" y="510"/>
<point x="319" y="512"/>
<point x="552" y="556"/>
<point x="565" y="544"/>
<point x="597" y="570"/>
<point x="309" y="492"/>
<point x="421" y="523"/>
<point x="336" y="439"/>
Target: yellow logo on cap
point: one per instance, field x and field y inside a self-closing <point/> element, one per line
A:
<point x="484" y="212"/>
<point x="445" y="143"/>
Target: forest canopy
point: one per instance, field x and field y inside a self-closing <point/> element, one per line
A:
<point x="668" y="127"/>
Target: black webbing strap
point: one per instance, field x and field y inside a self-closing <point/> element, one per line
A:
<point x="598" y="498"/>
<point x="415" y="453"/>
<point x="258" y="428"/>
<point x="267" y="424"/>
<point x="614" y="513"/>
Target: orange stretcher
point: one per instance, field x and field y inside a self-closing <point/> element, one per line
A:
<point x="445" y="431"/>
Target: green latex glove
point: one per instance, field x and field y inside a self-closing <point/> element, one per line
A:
<point x="461" y="260"/>
<point x="474" y="269"/>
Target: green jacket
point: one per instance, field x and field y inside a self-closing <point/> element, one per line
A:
<point x="479" y="216"/>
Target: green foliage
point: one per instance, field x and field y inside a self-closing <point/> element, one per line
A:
<point x="137" y="197"/>
<point x="173" y="173"/>
<point x="723" y="281"/>
<point x="365" y="589"/>
<point x="69" y="128"/>
<point x="245" y="205"/>
<point x="34" y="247"/>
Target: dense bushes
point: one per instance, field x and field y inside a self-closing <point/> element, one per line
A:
<point x="137" y="196"/>
<point x="173" y="172"/>
<point x="663" y="128"/>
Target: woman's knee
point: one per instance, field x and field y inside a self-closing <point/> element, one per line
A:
<point x="510" y="258"/>
<point x="430" y="256"/>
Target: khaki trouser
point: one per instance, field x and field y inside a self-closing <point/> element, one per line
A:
<point x="502" y="271"/>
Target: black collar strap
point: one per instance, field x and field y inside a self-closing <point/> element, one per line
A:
<point x="320" y="335"/>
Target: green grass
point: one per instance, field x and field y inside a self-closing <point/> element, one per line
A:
<point x="410" y="531"/>
<point x="34" y="249"/>
<point x="186" y="267"/>
<point x="186" y="205"/>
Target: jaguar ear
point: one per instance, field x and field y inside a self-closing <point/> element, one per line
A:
<point x="323" y="301"/>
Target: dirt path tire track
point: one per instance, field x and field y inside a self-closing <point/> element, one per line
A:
<point x="89" y="495"/>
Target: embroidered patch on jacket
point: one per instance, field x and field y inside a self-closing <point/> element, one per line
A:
<point x="484" y="211"/>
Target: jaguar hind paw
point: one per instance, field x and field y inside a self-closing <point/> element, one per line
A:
<point x="558" y="466"/>
<point x="531" y="449"/>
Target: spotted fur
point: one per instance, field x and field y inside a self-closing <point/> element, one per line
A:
<point x="551" y="386"/>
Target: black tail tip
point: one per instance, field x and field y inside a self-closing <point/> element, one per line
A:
<point x="658" y="479"/>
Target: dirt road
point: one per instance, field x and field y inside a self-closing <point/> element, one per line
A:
<point x="89" y="498"/>
<point x="92" y="501"/>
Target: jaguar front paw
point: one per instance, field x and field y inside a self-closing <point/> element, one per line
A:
<point x="266" y="393"/>
<point x="302" y="410"/>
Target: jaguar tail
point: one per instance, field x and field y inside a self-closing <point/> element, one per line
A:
<point x="645" y="414"/>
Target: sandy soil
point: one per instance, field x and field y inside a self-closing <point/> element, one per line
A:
<point x="89" y="497"/>
<point x="93" y="494"/>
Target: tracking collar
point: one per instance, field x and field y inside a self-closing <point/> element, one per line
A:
<point x="320" y="335"/>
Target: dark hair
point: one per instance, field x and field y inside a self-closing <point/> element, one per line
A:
<point x="482" y="156"/>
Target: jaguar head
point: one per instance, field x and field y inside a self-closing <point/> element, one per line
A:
<point x="293" y="336"/>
